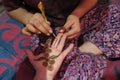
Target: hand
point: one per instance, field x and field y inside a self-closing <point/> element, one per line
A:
<point x="72" y="25"/>
<point x="39" y="68"/>
<point x="37" y="25"/>
<point x="57" y="48"/>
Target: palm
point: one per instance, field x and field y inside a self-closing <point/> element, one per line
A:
<point x="56" y="50"/>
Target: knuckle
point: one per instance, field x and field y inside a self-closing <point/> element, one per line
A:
<point x="64" y="35"/>
<point x="37" y="23"/>
<point x="78" y="31"/>
<point x="27" y="25"/>
<point x="31" y="20"/>
<point x="36" y="14"/>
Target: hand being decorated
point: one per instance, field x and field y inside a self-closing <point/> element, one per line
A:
<point x="54" y="59"/>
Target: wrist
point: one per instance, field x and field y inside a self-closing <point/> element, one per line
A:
<point x="40" y="75"/>
<point x="84" y="7"/>
<point x="78" y="13"/>
<point x="49" y="77"/>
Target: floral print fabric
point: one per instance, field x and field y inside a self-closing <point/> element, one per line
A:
<point x="106" y="33"/>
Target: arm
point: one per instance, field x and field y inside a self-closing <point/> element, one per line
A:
<point x="15" y="10"/>
<point x="35" y="23"/>
<point x="84" y="7"/>
<point x="73" y="19"/>
<point x="21" y="15"/>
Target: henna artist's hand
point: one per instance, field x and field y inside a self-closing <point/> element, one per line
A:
<point x="72" y="25"/>
<point x="57" y="49"/>
<point x="37" y="24"/>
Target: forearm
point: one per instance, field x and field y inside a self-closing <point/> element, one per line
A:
<point x="21" y="15"/>
<point x="84" y="7"/>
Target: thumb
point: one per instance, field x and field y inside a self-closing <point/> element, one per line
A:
<point x="67" y="25"/>
<point x="66" y="51"/>
<point x="29" y="53"/>
<point x="48" y="22"/>
<point x="26" y="32"/>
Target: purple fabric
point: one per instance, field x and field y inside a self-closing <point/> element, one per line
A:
<point x="104" y="31"/>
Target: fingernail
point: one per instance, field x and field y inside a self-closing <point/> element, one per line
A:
<point x="50" y="31"/>
<point x="61" y="30"/>
<point x="39" y="32"/>
<point x="48" y="34"/>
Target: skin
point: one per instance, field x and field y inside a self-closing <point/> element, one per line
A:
<point x="42" y="73"/>
<point x="35" y="23"/>
<point x="73" y="19"/>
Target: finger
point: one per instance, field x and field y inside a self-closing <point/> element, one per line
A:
<point x="26" y="32"/>
<point x="62" y="30"/>
<point x="67" y="25"/>
<point x="54" y="42"/>
<point x="72" y="32"/>
<point x="48" y="23"/>
<point x="29" y="53"/>
<point x="57" y="40"/>
<point x="40" y="27"/>
<point x="44" y="23"/>
<point x="70" y="37"/>
<point x="32" y="29"/>
<point x="35" y="21"/>
<point x="62" y="43"/>
<point x="66" y="51"/>
<point x="59" y="60"/>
